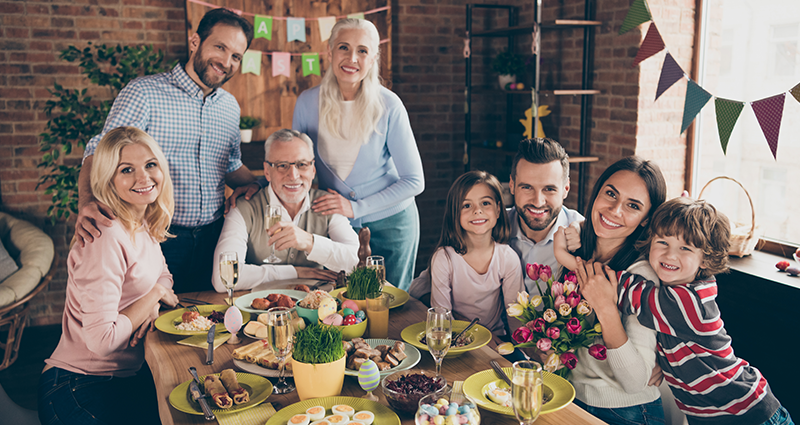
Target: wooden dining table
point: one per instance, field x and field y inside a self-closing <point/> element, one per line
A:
<point x="169" y="363"/>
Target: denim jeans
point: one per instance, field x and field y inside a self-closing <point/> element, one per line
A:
<point x="781" y="417"/>
<point x="396" y="238"/>
<point x="71" y="398"/>
<point x="190" y="256"/>
<point x="642" y="414"/>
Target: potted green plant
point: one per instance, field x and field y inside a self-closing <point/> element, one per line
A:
<point x="246" y="126"/>
<point x="360" y="282"/>
<point x="318" y="361"/>
<point x="508" y="65"/>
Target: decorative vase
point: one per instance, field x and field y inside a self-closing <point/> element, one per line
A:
<point x="318" y="380"/>
<point x="505" y="79"/>
<point x="247" y="135"/>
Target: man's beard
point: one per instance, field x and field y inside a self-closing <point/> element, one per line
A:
<point x="202" y="67"/>
<point x="536" y="225"/>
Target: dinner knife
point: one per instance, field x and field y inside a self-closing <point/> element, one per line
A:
<point x="210" y="340"/>
<point x="199" y="397"/>
<point x="500" y="372"/>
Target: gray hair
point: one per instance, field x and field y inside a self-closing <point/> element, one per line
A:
<point x="286" y="135"/>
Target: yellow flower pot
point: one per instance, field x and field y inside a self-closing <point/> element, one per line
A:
<point x="362" y="304"/>
<point x="318" y="380"/>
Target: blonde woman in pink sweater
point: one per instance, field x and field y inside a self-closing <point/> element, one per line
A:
<point x="114" y="291"/>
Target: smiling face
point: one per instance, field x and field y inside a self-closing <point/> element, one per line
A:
<point x="351" y="56"/>
<point x="291" y="185"/>
<point x="479" y="210"/>
<point x="675" y="261"/>
<point x="216" y="59"/>
<point x="138" y="178"/>
<point x="621" y="205"/>
<point x="539" y="192"/>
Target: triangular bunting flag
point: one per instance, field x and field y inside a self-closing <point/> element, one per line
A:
<point x="696" y="98"/>
<point x="728" y="112"/>
<point x="251" y="62"/>
<point x="795" y="91"/>
<point x="637" y="14"/>
<point x="263" y="27"/>
<point x="296" y="29"/>
<point x="281" y="63"/>
<point x="671" y="72"/>
<point x="359" y="15"/>
<point x="769" y="113"/>
<point x="651" y="45"/>
<point x="310" y="64"/>
<point x="325" y="26"/>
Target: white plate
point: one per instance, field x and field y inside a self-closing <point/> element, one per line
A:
<point x="412" y="357"/>
<point x="244" y="301"/>
<point x="257" y="369"/>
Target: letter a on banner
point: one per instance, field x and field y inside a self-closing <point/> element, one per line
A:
<point x="281" y="63"/>
<point x="310" y="64"/>
<point x="251" y="62"/>
<point x="263" y="27"/>
<point x="296" y="29"/>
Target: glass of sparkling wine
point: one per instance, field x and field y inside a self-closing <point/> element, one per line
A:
<point x="281" y="335"/>
<point x="438" y="333"/>
<point x="229" y="272"/>
<point x="375" y="262"/>
<point x="526" y="391"/>
<point x="272" y="216"/>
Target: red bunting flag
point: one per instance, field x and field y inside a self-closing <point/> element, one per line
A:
<point x="651" y="45"/>
<point x="769" y="113"/>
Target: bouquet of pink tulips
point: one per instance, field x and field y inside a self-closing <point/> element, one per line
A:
<point x="555" y="321"/>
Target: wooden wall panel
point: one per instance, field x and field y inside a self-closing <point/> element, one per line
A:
<point x="273" y="98"/>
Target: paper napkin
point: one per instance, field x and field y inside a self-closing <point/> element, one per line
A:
<point x="200" y="340"/>
<point x="255" y="416"/>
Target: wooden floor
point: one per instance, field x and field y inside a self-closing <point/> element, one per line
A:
<point x="21" y="380"/>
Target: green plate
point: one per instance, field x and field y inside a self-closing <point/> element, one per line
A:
<point x="410" y="361"/>
<point x="475" y="388"/>
<point x="398" y="296"/>
<point x="259" y="388"/>
<point x="244" y="301"/>
<point x="166" y="322"/>
<point x="383" y="415"/>
<point x="480" y="337"/>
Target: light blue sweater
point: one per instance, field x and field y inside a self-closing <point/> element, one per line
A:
<point x="387" y="174"/>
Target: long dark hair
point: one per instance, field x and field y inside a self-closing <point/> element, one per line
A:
<point x="656" y="189"/>
<point x="452" y="233"/>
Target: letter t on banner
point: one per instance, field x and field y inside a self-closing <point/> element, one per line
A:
<point x="281" y="62"/>
<point x="263" y="27"/>
<point x="310" y="64"/>
<point x="296" y="29"/>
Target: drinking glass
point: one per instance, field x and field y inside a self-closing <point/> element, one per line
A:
<point x="378" y="314"/>
<point x="272" y="216"/>
<point x="438" y="333"/>
<point x="229" y="272"/>
<point x="375" y="262"/>
<point x="281" y="339"/>
<point x="526" y="391"/>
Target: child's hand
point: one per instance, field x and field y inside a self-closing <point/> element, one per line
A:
<point x="656" y="377"/>
<point x="573" y="235"/>
<point x="560" y="249"/>
<point x="598" y="285"/>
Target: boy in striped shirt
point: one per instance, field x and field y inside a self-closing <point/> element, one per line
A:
<point x="687" y="245"/>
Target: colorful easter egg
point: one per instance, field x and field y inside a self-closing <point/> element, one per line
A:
<point x="334" y="319"/>
<point x="368" y="376"/>
<point x="361" y="315"/>
<point x="350" y="304"/>
<point x="347" y="311"/>
<point x="326" y="307"/>
<point x="233" y="320"/>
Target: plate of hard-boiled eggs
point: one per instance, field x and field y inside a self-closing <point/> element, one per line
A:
<point x="335" y="411"/>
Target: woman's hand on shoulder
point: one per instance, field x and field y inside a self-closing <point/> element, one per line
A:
<point x="598" y="285"/>
<point x="334" y="203"/>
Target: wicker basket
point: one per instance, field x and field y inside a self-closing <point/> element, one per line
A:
<point x="743" y="240"/>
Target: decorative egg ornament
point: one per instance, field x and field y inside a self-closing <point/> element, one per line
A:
<point x="369" y="378"/>
<point x="233" y="322"/>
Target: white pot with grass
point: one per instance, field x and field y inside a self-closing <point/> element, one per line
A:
<point x="246" y="126"/>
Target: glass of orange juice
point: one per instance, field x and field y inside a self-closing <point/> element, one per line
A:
<point x="378" y="314"/>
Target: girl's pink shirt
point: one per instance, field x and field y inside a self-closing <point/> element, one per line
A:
<point x="105" y="277"/>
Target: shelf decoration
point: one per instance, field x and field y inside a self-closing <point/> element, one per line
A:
<point x="768" y="111"/>
<point x="544" y="111"/>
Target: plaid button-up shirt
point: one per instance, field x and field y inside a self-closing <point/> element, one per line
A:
<point x="199" y="136"/>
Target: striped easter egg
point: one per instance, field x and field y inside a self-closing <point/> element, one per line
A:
<point x="368" y="376"/>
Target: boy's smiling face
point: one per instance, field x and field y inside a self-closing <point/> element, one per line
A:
<point x="674" y="260"/>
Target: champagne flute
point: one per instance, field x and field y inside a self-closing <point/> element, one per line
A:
<point x="375" y="262"/>
<point x="438" y="333"/>
<point x="229" y="272"/>
<point x="280" y="334"/>
<point x="272" y="216"/>
<point x="526" y="391"/>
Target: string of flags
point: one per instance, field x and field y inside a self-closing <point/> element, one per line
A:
<point x="768" y="111"/>
<point x="295" y="31"/>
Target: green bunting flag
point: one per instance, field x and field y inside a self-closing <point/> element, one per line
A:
<point x="637" y="15"/>
<point x="263" y="27"/>
<point x="310" y="64"/>
<point x="251" y="62"/>
<point x="696" y="98"/>
<point x="359" y="15"/>
<point x="795" y="91"/>
<point x="727" y="114"/>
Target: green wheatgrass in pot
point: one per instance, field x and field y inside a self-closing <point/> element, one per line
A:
<point x="318" y="344"/>
<point x="362" y="281"/>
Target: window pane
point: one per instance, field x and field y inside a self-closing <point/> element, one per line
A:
<point x="752" y="53"/>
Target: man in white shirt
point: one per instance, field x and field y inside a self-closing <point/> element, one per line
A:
<point x="309" y="245"/>
<point x="539" y="183"/>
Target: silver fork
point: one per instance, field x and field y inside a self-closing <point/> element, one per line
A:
<point x="193" y="308"/>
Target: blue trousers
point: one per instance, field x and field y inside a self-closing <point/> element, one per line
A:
<point x="72" y="398"/>
<point x="190" y="256"/>
<point x="642" y="414"/>
<point x="396" y="238"/>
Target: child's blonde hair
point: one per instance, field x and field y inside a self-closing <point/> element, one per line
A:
<point x="699" y="224"/>
<point x="104" y="167"/>
<point x="453" y="234"/>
